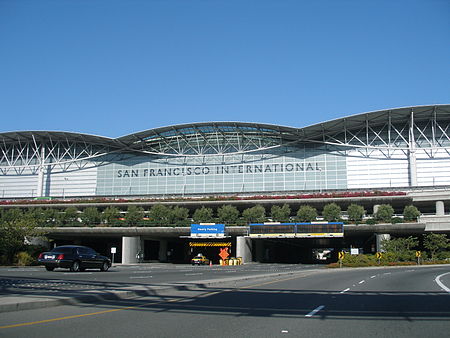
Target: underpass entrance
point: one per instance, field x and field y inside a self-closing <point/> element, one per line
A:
<point x="209" y="249"/>
<point x="315" y="242"/>
<point x="305" y="251"/>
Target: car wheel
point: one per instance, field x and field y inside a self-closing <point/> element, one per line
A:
<point x="49" y="268"/>
<point x="75" y="266"/>
<point x="105" y="266"/>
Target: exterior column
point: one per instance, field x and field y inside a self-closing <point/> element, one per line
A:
<point x="380" y="238"/>
<point x="244" y="248"/>
<point x="40" y="182"/>
<point x="130" y="247"/>
<point x="162" y="255"/>
<point x="375" y="208"/>
<point x="440" y="209"/>
<point x="412" y="153"/>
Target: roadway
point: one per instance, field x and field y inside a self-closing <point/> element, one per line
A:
<point x="371" y="302"/>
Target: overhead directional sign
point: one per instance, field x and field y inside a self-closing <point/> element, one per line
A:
<point x="208" y="230"/>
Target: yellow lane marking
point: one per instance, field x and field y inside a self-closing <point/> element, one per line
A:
<point x="64" y="318"/>
<point x="135" y="307"/>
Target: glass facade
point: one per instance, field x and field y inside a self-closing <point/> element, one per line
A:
<point x="283" y="169"/>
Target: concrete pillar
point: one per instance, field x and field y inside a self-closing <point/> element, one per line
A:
<point x="40" y="181"/>
<point x="375" y="208"/>
<point x="412" y="153"/>
<point x="130" y="247"/>
<point x="259" y="248"/>
<point x="440" y="209"/>
<point x="162" y="255"/>
<point x="244" y="248"/>
<point x="380" y="238"/>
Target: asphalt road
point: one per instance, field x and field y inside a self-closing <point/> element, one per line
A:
<point x="36" y="280"/>
<point x="374" y="302"/>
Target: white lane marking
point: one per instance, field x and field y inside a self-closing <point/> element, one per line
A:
<point x="193" y="274"/>
<point x="77" y="273"/>
<point x="363" y="281"/>
<point x="343" y="291"/>
<point x="372" y="276"/>
<point x="387" y="273"/>
<point x="284" y="331"/>
<point x="141" y="271"/>
<point x="141" y="277"/>
<point x="438" y="281"/>
<point x="313" y="312"/>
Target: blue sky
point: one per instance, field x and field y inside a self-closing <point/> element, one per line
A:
<point x="111" y="67"/>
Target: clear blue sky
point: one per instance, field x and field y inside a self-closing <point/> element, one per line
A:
<point x="111" y="68"/>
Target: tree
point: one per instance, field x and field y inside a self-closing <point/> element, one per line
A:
<point x="134" y="215"/>
<point x="13" y="214"/>
<point x="160" y="215"/>
<point x="13" y="234"/>
<point x="331" y="212"/>
<point x="110" y="216"/>
<point x="69" y="217"/>
<point x="228" y="214"/>
<point x="401" y="248"/>
<point x="435" y="243"/>
<point x="384" y="213"/>
<point x="355" y="212"/>
<point x="306" y="213"/>
<point x="180" y="216"/>
<point x="36" y="214"/>
<point x="280" y="214"/>
<point x="254" y="214"/>
<point x="410" y="213"/>
<point x="203" y="215"/>
<point x="50" y="216"/>
<point x="90" y="216"/>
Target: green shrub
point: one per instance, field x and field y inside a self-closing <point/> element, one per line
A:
<point x="331" y="212"/>
<point x="23" y="258"/>
<point x="443" y="255"/>
<point x="359" y="260"/>
<point x="371" y="221"/>
<point x="410" y="213"/>
<point x="384" y="213"/>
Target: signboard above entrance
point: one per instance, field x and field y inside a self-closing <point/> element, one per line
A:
<point x="208" y="230"/>
<point x="297" y="230"/>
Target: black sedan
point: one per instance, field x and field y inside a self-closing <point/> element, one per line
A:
<point x="74" y="257"/>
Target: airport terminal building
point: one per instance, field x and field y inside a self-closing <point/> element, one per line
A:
<point x="406" y="147"/>
<point x="401" y="149"/>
